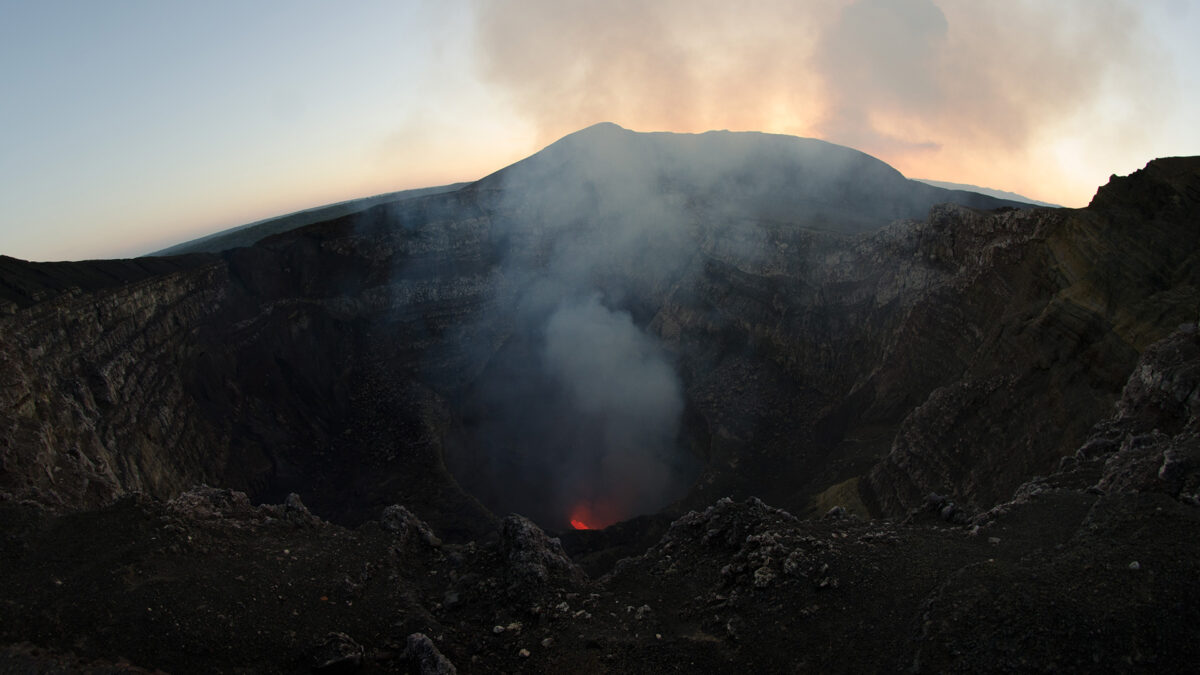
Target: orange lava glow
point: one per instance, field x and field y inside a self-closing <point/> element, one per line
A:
<point x="592" y="515"/>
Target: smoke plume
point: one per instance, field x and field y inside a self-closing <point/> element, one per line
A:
<point x="956" y="88"/>
<point x="576" y="411"/>
<point x="624" y="393"/>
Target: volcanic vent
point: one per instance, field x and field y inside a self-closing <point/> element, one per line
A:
<point x="578" y="424"/>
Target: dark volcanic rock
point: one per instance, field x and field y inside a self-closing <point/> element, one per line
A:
<point x="430" y="661"/>
<point x="1154" y="438"/>
<point x="1070" y="308"/>
<point x="339" y="653"/>
<point x="533" y="558"/>
<point x="407" y="527"/>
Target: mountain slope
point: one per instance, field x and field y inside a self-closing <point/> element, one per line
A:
<point x="768" y="177"/>
<point x="246" y="235"/>
<point x="991" y="192"/>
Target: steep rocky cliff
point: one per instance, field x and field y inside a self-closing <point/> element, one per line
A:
<point x="244" y="371"/>
<point x="1077" y="301"/>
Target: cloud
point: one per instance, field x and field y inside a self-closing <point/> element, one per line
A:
<point x="953" y="85"/>
<point x="881" y="55"/>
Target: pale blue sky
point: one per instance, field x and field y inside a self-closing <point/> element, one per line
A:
<point x="129" y="125"/>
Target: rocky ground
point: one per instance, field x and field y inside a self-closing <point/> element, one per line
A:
<point x="1095" y="567"/>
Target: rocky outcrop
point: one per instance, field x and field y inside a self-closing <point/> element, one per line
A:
<point x="1152" y="443"/>
<point x="534" y="559"/>
<point x="234" y="371"/>
<point x="428" y="659"/>
<point x="1061" y="325"/>
<point x="93" y="391"/>
<point x="407" y="527"/>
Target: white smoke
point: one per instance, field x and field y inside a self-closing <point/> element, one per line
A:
<point x="621" y="387"/>
<point x="577" y="404"/>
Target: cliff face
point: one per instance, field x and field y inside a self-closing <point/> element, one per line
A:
<point x="820" y="351"/>
<point x="1077" y="302"/>
<point x="263" y="370"/>
<point x="94" y="402"/>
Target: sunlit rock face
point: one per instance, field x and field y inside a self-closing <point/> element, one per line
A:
<point x="621" y="324"/>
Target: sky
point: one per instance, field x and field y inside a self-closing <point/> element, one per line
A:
<point x="130" y="125"/>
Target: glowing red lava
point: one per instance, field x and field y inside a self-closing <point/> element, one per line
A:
<point x="588" y="515"/>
